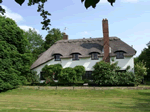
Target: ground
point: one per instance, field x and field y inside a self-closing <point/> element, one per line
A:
<point x="114" y="100"/>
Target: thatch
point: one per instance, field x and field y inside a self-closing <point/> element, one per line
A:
<point x="84" y="47"/>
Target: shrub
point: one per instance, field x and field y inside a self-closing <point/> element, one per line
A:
<point x="101" y="73"/>
<point x="9" y="81"/>
<point x="104" y="74"/>
<point x="125" y="78"/>
<point x="23" y="80"/>
<point x="51" y="70"/>
<point x="80" y="70"/>
<point x="140" y="71"/>
<point x="68" y="75"/>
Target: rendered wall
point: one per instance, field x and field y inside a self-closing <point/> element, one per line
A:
<point x="88" y="63"/>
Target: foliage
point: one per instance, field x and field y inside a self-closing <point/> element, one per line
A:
<point x="38" y="51"/>
<point x="140" y="72"/>
<point x="35" y="43"/>
<point x="35" y="39"/>
<point x="105" y="74"/>
<point x="80" y="70"/>
<point x="67" y="75"/>
<point x="8" y="81"/>
<point x="128" y="67"/>
<point x="53" y="36"/>
<point x="145" y="58"/>
<point x="15" y="59"/>
<point x="50" y="70"/>
<point x="44" y="13"/>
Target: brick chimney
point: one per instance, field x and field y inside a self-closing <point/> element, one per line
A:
<point x="106" y="57"/>
<point x="65" y="37"/>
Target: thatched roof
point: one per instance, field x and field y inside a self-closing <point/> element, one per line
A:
<point x="84" y="47"/>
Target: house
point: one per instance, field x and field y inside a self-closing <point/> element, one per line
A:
<point x="87" y="52"/>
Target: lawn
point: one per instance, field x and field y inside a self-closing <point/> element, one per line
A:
<point x="116" y="100"/>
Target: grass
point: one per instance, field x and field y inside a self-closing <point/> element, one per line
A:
<point x="116" y="100"/>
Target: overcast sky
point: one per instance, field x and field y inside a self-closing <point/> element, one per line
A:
<point x="129" y="20"/>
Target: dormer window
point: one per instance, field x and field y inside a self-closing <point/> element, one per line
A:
<point x="120" y="55"/>
<point x="94" y="56"/>
<point x="57" y="57"/>
<point x="75" y="56"/>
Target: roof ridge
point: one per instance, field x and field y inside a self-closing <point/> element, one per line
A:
<point x="99" y="38"/>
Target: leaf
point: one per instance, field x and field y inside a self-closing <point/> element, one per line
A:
<point x="111" y="2"/>
<point x="20" y="1"/>
<point x="94" y="3"/>
<point x="1" y="1"/>
<point x="88" y="3"/>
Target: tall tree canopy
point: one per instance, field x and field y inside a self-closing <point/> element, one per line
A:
<point x="35" y="39"/>
<point x="52" y="36"/>
<point x="35" y="43"/>
<point x="15" y="58"/>
<point x="44" y="14"/>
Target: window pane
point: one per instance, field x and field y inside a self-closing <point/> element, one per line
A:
<point x="95" y="55"/>
<point x="57" y="57"/>
<point x="76" y="56"/>
<point x="41" y="75"/>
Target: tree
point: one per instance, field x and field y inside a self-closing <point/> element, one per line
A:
<point x="35" y="43"/>
<point x="53" y="36"/>
<point x="144" y="57"/>
<point x="35" y="39"/>
<point x="44" y="14"/>
<point x="15" y="58"/>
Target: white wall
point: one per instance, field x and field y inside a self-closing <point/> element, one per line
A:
<point x="123" y="63"/>
<point x="88" y="63"/>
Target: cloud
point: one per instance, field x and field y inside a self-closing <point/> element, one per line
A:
<point x="26" y="28"/>
<point x="12" y="15"/>
<point x="131" y="1"/>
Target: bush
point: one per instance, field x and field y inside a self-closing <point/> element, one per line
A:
<point x="9" y="81"/>
<point x="101" y="73"/>
<point x="104" y="74"/>
<point x="67" y="75"/>
<point x="23" y="80"/>
<point x="51" y="70"/>
<point x="140" y="71"/>
<point x="80" y="70"/>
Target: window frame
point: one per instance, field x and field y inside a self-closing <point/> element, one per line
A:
<point x="41" y="77"/>
<point x="119" y="55"/>
<point x="74" y="58"/>
<point x="94" y="56"/>
<point x="57" y="59"/>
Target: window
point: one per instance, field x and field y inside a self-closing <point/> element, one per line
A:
<point x="55" y="77"/>
<point x="57" y="57"/>
<point x="88" y="75"/>
<point x="41" y="76"/>
<point x="119" y="55"/>
<point x="75" y="57"/>
<point x="94" y="56"/>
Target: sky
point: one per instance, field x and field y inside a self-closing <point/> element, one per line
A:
<point x="128" y="20"/>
